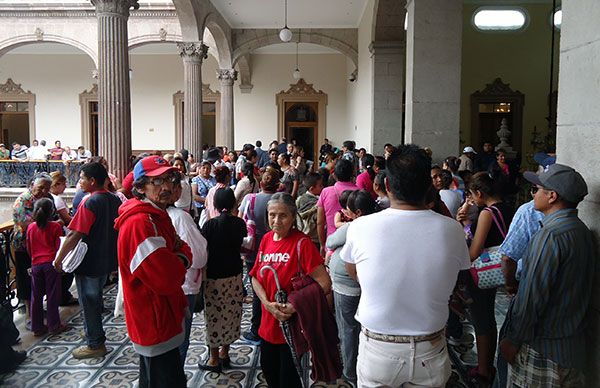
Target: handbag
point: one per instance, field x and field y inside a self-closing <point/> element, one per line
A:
<point x="486" y="270"/>
<point x="249" y="242"/>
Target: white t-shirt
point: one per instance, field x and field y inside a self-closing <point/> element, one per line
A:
<point x="37" y="152"/>
<point x="59" y="203"/>
<point x="186" y="229"/>
<point x="185" y="199"/>
<point x="407" y="264"/>
<point x="452" y="199"/>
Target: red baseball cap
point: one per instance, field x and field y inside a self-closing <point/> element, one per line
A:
<point x="151" y="166"/>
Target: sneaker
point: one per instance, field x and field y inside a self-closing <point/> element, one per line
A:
<point x="87" y="352"/>
<point x="252" y="338"/>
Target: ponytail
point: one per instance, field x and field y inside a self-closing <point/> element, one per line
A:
<point x="42" y="212"/>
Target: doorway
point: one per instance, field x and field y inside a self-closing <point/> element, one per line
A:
<point x="301" y="123"/>
<point x="14" y="122"/>
<point x="211" y="104"/>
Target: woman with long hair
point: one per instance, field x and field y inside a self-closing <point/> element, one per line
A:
<point x="290" y="179"/>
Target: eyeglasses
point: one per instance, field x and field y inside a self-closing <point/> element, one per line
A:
<point x="171" y="179"/>
<point x="534" y="189"/>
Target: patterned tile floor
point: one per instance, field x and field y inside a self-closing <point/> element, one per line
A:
<point x="49" y="362"/>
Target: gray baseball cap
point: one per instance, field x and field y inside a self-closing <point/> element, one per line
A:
<point x="567" y="182"/>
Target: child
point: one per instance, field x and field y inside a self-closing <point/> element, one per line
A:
<point x="341" y="217"/>
<point x="306" y="218"/>
<point x="43" y="241"/>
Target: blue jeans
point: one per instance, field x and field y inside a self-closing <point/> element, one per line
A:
<point x="183" y="348"/>
<point x="348" y="331"/>
<point x="89" y="289"/>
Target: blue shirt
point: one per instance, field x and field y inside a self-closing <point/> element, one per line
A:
<point x="203" y="186"/>
<point x="525" y="223"/>
<point x="554" y="293"/>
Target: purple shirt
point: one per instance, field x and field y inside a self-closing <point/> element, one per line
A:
<point x="329" y="201"/>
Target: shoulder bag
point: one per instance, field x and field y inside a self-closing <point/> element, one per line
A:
<point x="486" y="270"/>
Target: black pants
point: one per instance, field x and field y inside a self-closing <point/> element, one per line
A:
<point x="165" y="370"/>
<point x="256" y="305"/>
<point x="67" y="281"/>
<point x="278" y="366"/>
<point x="22" y="265"/>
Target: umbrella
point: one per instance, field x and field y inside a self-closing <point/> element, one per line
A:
<point x="281" y="297"/>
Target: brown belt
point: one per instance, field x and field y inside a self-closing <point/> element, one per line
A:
<point x="402" y="339"/>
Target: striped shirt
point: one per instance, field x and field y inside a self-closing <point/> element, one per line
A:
<point x="555" y="289"/>
<point x="525" y="223"/>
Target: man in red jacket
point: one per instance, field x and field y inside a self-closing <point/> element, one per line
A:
<point x="153" y="262"/>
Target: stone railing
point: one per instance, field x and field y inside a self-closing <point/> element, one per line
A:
<point x="19" y="174"/>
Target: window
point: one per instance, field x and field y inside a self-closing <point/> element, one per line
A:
<point x="500" y="19"/>
<point x="557" y="18"/>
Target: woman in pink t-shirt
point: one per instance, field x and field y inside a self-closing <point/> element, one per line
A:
<point x="365" y="180"/>
<point x="43" y="241"/>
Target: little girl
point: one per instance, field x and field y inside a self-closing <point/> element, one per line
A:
<point x="43" y="241"/>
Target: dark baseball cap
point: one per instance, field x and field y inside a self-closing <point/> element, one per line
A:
<point x="568" y="183"/>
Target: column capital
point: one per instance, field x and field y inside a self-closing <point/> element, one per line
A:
<point x="120" y="7"/>
<point x="227" y="76"/>
<point x="387" y="47"/>
<point x="193" y="50"/>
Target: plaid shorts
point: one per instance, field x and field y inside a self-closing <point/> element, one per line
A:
<point x="531" y="370"/>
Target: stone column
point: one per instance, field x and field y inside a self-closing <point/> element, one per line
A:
<point x="114" y="103"/>
<point x="388" y="65"/>
<point x="577" y="140"/>
<point x="433" y="74"/>
<point x="193" y="53"/>
<point x="225" y="135"/>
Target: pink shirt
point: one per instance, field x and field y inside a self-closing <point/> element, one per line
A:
<point x="209" y="202"/>
<point x="329" y="201"/>
<point x="364" y="182"/>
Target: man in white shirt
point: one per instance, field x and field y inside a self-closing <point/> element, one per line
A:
<point x="69" y="154"/>
<point x="83" y="154"/>
<point x="37" y="152"/>
<point x="406" y="259"/>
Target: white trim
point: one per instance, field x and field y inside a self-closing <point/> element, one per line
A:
<point x="145" y="249"/>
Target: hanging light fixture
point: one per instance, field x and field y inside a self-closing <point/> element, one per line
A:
<point x="296" y="74"/>
<point x="285" y="34"/>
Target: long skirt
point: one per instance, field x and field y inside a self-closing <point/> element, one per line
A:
<point x="223" y="310"/>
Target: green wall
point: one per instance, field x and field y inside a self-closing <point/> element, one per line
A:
<point x="520" y="58"/>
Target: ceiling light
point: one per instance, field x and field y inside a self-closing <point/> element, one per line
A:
<point x="285" y="34"/>
<point x="296" y="74"/>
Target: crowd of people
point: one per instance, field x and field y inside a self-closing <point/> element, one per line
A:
<point x="368" y="262"/>
<point x="39" y="151"/>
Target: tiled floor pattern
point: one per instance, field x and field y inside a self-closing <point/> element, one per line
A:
<point x="49" y="362"/>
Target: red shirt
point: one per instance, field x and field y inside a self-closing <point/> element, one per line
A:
<point x="43" y="243"/>
<point x="364" y="182"/>
<point x="283" y="257"/>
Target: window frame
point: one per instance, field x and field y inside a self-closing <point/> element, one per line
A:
<point x="522" y="10"/>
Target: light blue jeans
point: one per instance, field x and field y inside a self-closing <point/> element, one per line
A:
<point x="348" y="331"/>
<point x="89" y="289"/>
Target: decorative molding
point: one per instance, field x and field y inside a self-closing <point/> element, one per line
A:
<point x="10" y="87"/>
<point x="193" y="50"/>
<point x="120" y="7"/>
<point x="162" y="34"/>
<point x="387" y="47"/>
<point x="246" y="88"/>
<point x="39" y="34"/>
<point x="497" y="88"/>
<point x="92" y="92"/>
<point x="208" y="93"/>
<point x="301" y="88"/>
<point x="225" y="75"/>
<point x="21" y="14"/>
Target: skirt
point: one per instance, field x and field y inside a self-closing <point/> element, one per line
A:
<point x="223" y="310"/>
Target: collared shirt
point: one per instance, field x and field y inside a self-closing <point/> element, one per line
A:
<point x="525" y="223"/>
<point x="555" y="289"/>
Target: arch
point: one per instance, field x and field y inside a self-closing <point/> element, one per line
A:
<point x="22" y="40"/>
<point x="142" y="40"/>
<point x="214" y="25"/>
<point x="388" y="20"/>
<point x="272" y="37"/>
<point x="243" y="65"/>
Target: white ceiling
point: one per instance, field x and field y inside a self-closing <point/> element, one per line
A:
<point x="301" y="13"/>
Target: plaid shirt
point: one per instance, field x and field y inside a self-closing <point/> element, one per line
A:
<point x="555" y="289"/>
<point x="525" y="223"/>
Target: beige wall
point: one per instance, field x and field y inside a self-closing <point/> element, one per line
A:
<point x="56" y="81"/>
<point x="256" y="113"/>
<point x="360" y="92"/>
<point x="519" y="58"/>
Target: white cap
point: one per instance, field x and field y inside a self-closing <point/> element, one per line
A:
<point x="466" y="150"/>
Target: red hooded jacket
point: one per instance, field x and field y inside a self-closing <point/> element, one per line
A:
<point x="152" y="273"/>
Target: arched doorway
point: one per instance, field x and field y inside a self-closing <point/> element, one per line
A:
<point x="301" y="113"/>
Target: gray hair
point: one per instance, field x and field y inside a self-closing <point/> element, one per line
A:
<point x="285" y="199"/>
<point x="41" y="177"/>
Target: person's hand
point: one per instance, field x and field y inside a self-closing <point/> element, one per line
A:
<point x="178" y="242"/>
<point x="322" y="250"/>
<point x="58" y="266"/>
<point x="509" y="351"/>
<point x="281" y="311"/>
